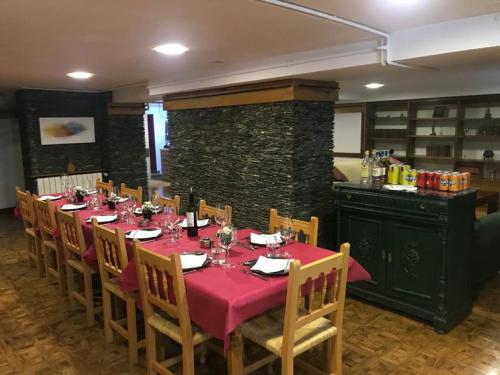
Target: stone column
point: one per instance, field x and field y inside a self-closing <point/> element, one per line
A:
<point x="124" y="148"/>
<point x="256" y="155"/>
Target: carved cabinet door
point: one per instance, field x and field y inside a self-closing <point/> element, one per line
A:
<point x="413" y="263"/>
<point x="366" y="235"/>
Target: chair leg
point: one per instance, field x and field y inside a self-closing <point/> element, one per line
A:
<point x="60" y="271"/>
<point x="40" y="258"/>
<point x="151" y="355"/>
<point x="89" y="297"/>
<point x="46" y="261"/>
<point x="70" y="281"/>
<point x="287" y="365"/>
<point x="106" y="303"/>
<point x="132" y="332"/>
<point x="31" y="250"/>
<point x="334" y="355"/>
<point x="188" y="358"/>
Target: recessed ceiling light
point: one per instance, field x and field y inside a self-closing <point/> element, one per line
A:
<point x="171" y="49"/>
<point x="374" y="85"/>
<point x="80" y="75"/>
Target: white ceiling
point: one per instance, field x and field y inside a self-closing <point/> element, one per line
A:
<point x="42" y="40"/>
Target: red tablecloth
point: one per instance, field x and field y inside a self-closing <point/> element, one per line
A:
<point x="219" y="299"/>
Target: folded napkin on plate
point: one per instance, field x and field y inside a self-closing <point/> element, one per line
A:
<point x="49" y="197"/>
<point x="73" y="206"/>
<point x="90" y="191"/>
<point x="271" y="265"/>
<point x="400" y="187"/>
<point x="261" y="239"/>
<point x="103" y="218"/>
<point x="201" y="223"/>
<point x="143" y="234"/>
<point x="121" y="200"/>
<point x="138" y="210"/>
<point x="192" y="260"/>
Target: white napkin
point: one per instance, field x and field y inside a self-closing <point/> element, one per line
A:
<point x="192" y="260"/>
<point x="138" y="210"/>
<point x="201" y="223"/>
<point x="271" y="265"/>
<point x="401" y="188"/>
<point x="49" y="197"/>
<point x="121" y="200"/>
<point x="143" y="234"/>
<point x="261" y="239"/>
<point x="73" y="206"/>
<point x="90" y="191"/>
<point x="103" y="218"/>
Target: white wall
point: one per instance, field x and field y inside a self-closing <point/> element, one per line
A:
<point x="11" y="163"/>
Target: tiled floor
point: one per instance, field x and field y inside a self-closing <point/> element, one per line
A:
<point x="39" y="335"/>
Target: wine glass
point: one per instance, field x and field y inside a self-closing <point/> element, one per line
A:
<point x="155" y="199"/>
<point x="287" y="232"/>
<point x="131" y="206"/>
<point x="273" y="248"/>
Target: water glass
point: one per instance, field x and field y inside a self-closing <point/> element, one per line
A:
<point x="273" y="249"/>
<point x="218" y="256"/>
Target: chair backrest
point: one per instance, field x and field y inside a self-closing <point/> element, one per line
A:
<point x="110" y="249"/>
<point x="210" y="212"/>
<point x="46" y="218"/>
<point x="136" y="193"/>
<point x="326" y="277"/>
<point x="72" y="238"/>
<point x="174" y="202"/>
<point x="304" y="229"/>
<point x="161" y="284"/>
<point x="106" y="186"/>
<point x="26" y="208"/>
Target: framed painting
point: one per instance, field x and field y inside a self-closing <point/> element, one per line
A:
<point x="64" y="130"/>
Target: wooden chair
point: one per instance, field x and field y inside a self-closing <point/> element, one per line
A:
<point x="136" y="193"/>
<point x="163" y="294"/>
<point x="174" y="202"/>
<point x="105" y="186"/>
<point x="302" y="326"/>
<point x="205" y="211"/>
<point x="305" y="229"/>
<point x="27" y="211"/>
<point x="74" y="246"/>
<point x="112" y="259"/>
<point x="51" y="245"/>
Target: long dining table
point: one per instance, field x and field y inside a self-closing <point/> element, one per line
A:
<point x="219" y="298"/>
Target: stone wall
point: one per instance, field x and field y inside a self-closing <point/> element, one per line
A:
<point x="255" y="157"/>
<point x="124" y="150"/>
<point x="119" y="147"/>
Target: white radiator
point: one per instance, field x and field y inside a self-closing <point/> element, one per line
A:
<point x="53" y="185"/>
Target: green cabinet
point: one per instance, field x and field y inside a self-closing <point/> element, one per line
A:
<point x="416" y="247"/>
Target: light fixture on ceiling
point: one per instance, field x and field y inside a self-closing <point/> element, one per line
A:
<point x="374" y="85"/>
<point x="80" y="75"/>
<point x="171" y="49"/>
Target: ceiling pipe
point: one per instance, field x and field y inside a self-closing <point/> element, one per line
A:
<point x="385" y="48"/>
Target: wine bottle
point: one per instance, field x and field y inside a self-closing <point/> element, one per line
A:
<point x="192" y="216"/>
<point x="366" y="169"/>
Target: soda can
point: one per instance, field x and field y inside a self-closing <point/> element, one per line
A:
<point x="429" y="180"/>
<point x="436" y="180"/>
<point x="394" y="174"/>
<point x="466" y="180"/>
<point x="421" y="179"/>
<point x="454" y="182"/>
<point x="444" y="181"/>
<point x="404" y="177"/>
<point x="412" y="177"/>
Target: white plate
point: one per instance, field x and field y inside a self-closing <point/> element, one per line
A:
<point x="50" y="197"/>
<point x="201" y="223"/>
<point x="192" y="261"/>
<point x="143" y="234"/>
<point x="72" y="207"/>
<point x="103" y="219"/>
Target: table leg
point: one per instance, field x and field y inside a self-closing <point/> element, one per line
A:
<point x="235" y="354"/>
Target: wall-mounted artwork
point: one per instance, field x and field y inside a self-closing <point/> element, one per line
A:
<point x="64" y="130"/>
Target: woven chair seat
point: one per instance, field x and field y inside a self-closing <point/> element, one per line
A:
<point x="171" y="329"/>
<point x="267" y="331"/>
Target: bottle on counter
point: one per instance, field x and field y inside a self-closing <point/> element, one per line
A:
<point x="377" y="168"/>
<point x="192" y="216"/>
<point x="366" y="168"/>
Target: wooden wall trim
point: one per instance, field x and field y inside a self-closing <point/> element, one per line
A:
<point x="126" y="109"/>
<point x="264" y="92"/>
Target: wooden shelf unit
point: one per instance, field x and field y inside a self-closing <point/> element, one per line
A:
<point x="463" y="130"/>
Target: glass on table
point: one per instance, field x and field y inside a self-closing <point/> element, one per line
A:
<point x="273" y="248"/>
<point x="218" y="255"/>
<point x="287" y="233"/>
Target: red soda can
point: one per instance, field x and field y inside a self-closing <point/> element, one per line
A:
<point x="429" y="176"/>
<point x="421" y="179"/>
